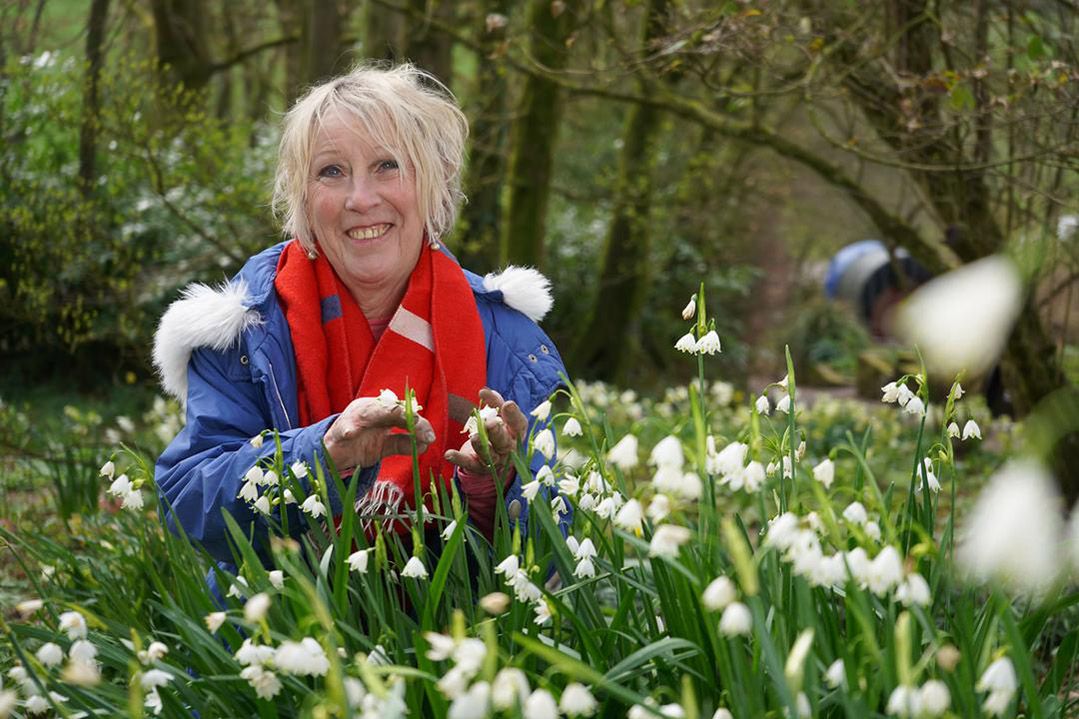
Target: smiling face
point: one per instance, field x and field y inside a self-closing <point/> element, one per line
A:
<point x="363" y="211"/>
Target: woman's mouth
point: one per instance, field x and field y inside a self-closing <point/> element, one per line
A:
<point x="371" y="232"/>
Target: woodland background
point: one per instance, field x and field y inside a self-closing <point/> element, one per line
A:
<point x="628" y="148"/>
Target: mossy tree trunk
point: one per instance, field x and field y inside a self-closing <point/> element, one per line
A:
<point x="478" y="229"/>
<point x="534" y="133"/>
<point x="427" y="48"/>
<point x="91" y="101"/>
<point x="600" y="350"/>
<point x="182" y="46"/>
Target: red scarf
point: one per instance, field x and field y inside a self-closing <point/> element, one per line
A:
<point x="434" y="345"/>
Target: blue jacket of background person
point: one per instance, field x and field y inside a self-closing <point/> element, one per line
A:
<point x="227" y="355"/>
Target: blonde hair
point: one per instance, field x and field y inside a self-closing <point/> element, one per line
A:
<point x="404" y="109"/>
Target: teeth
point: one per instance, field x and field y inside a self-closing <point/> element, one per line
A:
<point x="369" y="233"/>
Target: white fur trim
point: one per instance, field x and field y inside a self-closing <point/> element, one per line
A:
<point x="202" y="317"/>
<point x="524" y="289"/>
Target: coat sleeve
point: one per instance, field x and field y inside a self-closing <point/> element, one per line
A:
<point x="200" y="473"/>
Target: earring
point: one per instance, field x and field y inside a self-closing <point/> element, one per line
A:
<point x="311" y="255"/>
<point x="433" y="242"/>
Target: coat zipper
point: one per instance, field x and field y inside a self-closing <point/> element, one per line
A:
<point x="277" y="392"/>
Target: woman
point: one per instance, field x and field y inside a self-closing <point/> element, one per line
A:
<point x="363" y="298"/>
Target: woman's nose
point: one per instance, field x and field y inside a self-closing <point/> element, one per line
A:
<point x="363" y="195"/>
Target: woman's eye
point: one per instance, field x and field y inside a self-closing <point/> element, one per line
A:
<point x="330" y="171"/>
<point x="387" y="165"/>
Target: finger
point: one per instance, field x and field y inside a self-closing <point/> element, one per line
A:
<point x="464" y="461"/>
<point x="481" y="449"/>
<point x="491" y="398"/>
<point x="384" y="417"/>
<point x="501" y="440"/>
<point x="515" y="418"/>
<point x="396" y="444"/>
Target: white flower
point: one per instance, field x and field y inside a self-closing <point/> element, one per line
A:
<point x="891" y="392"/>
<point x="256" y="607"/>
<point x="668" y="453"/>
<point x="235" y="591"/>
<point x="290" y="498"/>
<point x="107" y="470"/>
<point x="914" y="590"/>
<point x="82" y="651"/>
<point x="568" y="486"/>
<point x="120" y="486"/>
<point x="709" y="344"/>
<point x="133" y="500"/>
<point x="971" y="429"/>
<point x="576" y="700"/>
<point x="469" y="654"/>
<point x="440" y="647"/>
<point x="495" y="603"/>
<point x="782" y="531"/>
<point x="251" y="653"/>
<point x="686" y="343"/>
<point x="254" y="475"/>
<point x="303" y="658"/>
<point x="660" y="507"/>
<point x="414" y="569"/>
<point x="74" y="625"/>
<point x="154" y="678"/>
<point x="723" y="713"/>
<point x="544" y="443"/>
<point x="885" y="571"/>
<point x="545" y="476"/>
<point x="953" y="430"/>
<point x="314" y="506"/>
<point x="277" y="579"/>
<point x="784" y="404"/>
<point x="914" y="406"/>
<point x="155" y="652"/>
<point x="540" y="705"/>
<point x="1066" y="226"/>
<point x="256" y="441"/>
<point x="836" y="673"/>
<point x="265" y="683"/>
<point x="753" y="476"/>
<point x="855" y="513"/>
<point x="509" y="687"/>
<point x="719" y="593"/>
<point x="962" y="319"/>
<point x="542" y="410"/>
<point x="872" y="530"/>
<point x="29" y="606"/>
<point x="262" y="504"/>
<point x="585" y="549"/>
<point x="214" y="620"/>
<point x="508" y="566"/>
<point x="904" y="702"/>
<point x="473" y="704"/>
<point x="905" y="395"/>
<point x="630" y="517"/>
<point x="825" y="472"/>
<point x="729" y="461"/>
<point x="37" y="704"/>
<point x="736" y="620"/>
<point x="529" y="490"/>
<point x="572" y="428"/>
<point x="1014" y="532"/>
<point x="50" y="654"/>
<point x="624" y="453"/>
<point x="298" y="469"/>
<point x="666" y="541"/>
<point x="269" y="478"/>
<point x="691" y="308"/>
<point x="585" y="569"/>
<point x="934" y="698"/>
<point x="388" y="398"/>
<point x="763" y="405"/>
<point x="999" y="680"/>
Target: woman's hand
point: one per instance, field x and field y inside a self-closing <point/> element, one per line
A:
<point x="360" y="436"/>
<point x="503" y="430"/>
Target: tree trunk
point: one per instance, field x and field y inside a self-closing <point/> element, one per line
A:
<point x="290" y="17"/>
<point x="181" y="34"/>
<point x="534" y="133"/>
<point x="428" y="48"/>
<point x="601" y="347"/>
<point x="91" y="102"/>
<point x="323" y="50"/>
<point x="478" y="229"/>
<point x="383" y="33"/>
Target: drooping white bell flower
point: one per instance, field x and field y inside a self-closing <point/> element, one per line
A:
<point x="305" y="658"/>
<point x="709" y="344"/>
<point x="934" y="698"/>
<point x="542" y="410"/>
<point x="686" y="343"/>
<point x="414" y="569"/>
<point x="572" y="428"/>
<point x="962" y="319"/>
<point x="719" y="593"/>
<point x="577" y="700"/>
<point x="668" y="453"/>
<point x="624" y="453"/>
<point x="736" y="620"/>
<point x="690" y="309"/>
<point x="666" y="541"/>
<point x="971" y="429"/>
<point x="825" y="472"/>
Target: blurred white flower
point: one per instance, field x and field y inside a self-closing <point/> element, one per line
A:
<point x="495" y="603"/>
<point x="28" y="607"/>
<point x="686" y="343"/>
<point x="855" y="513"/>
<point x="709" y="344"/>
<point x="885" y="571"/>
<point x="256" y="607"/>
<point x="999" y="680"/>
<point x="572" y="428"/>
<point x="107" y="470"/>
<point x="630" y="517"/>
<point x="577" y="700"/>
<point x="624" y="453"/>
<point x="529" y="490"/>
<point x="314" y="506"/>
<point x="36" y="705"/>
<point x="155" y="652"/>
<point x="277" y="579"/>
<point x="690" y="309"/>
<point x="50" y="654"/>
<point x="872" y="530"/>
<point x="667" y="453"/>
<point x="934" y="698"/>
<point x="719" y="593"/>
<point x="753" y="476"/>
<point x="660" y="507"/>
<point x="913" y="590"/>
<point x="303" y="658"/>
<point x="736" y="620"/>
<point x="666" y="541"/>
<point x="214" y="620"/>
<point x="540" y="705"/>
<point x="509" y="687"/>
<point x="730" y="460"/>
<point x="904" y="702"/>
<point x="154" y="678"/>
<point x="265" y="683"/>
<point x="473" y="704"/>
<point x="388" y="398"/>
<point x="962" y="319"/>
<point x="449" y="529"/>
<point x="971" y="429"/>
<point x="414" y="569"/>
<point x="836" y="674"/>
<point x="83" y="651"/>
<point x="784" y="404"/>
<point x="723" y="713"/>
<point x="763" y="405"/>
<point x="544" y="443"/>
<point x="1014" y="532"/>
<point x="74" y="624"/>
<point x="1066" y="226"/>
<point x="80" y="673"/>
<point x="825" y="472"/>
